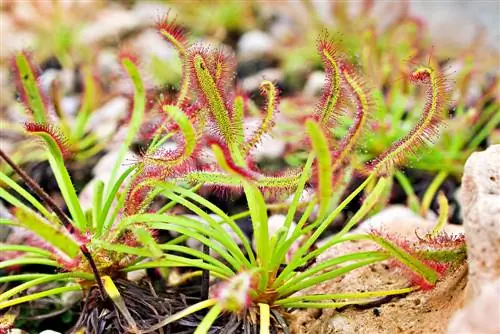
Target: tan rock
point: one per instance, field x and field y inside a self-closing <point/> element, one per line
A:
<point x="480" y="199"/>
<point x="482" y="315"/>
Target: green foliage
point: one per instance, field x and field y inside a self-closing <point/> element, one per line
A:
<point x="115" y="236"/>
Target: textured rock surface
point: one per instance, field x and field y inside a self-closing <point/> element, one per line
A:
<point x="481" y="315"/>
<point x="418" y="312"/>
<point x="480" y="199"/>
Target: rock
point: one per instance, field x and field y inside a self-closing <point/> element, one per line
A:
<point x="255" y="44"/>
<point x="70" y="298"/>
<point x="252" y="83"/>
<point x="71" y="104"/>
<point x="20" y="331"/>
<point x="398" y="219"/>
<point x="269" y="147"/>
<point x="420" y="312"/>
<point x="49" y="331"/>
<point x="136" y="275"/>
<point x="150" y="44"/>
<point x="314" y="84"/>
<point x="104" y="120"/>
<point x="480" y="201"/>
<point x="283" y="29"/>
<point x="65" y="77"/>
<point x="109" y="25"/>
<point x="102" y="170"/>
<point x="481" y="315"/>
<point x="149" y="11"/>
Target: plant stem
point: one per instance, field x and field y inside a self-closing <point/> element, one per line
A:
<point x="95" y="271"/>
<point x="38" y="190"/>
<point x="205" y="277"/>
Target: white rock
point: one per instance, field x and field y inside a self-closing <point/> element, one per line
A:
<point x="398" y="219"/>
<point x="20" y="331"/>
<point x="283" y="30"/>
<point x="71" y="298"/>
<point x="255" y="44"/>
<point x="104" y="120"/>
<point x="136" y="275"/>
<point x="314" y="84"/>
<point x="480" y="200"/>
<point x="102" y="170"/>
<point x="341" y="324"/>
<point x="253" y="82"/>
<point x="276" y="223"/>
<point x="269" y="148"/>
<point x="150" y="43"/>
<point x="480" y="315"/>
<point x="70" y="104"/>
<point x="107" y="62"/>
<point x="49" y="331"/>
<point x="149" y="11"/>
<point x="86" y="196"/>
<point x="109" y="24"/>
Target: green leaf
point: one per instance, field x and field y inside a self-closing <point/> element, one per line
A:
<point x="135" y="121"/>
<point x="64" y="181"/>
<point x="184" y="313"/>
<point x="87" y="107"/>
<point x="54" y="235"/>
<point x="24" y="248"/>
<point x="26" y="195"/>
<point x="324" y="159"/>
<point x="368" y="204"/>
<point x="258" y="214"/>
<point x="208" y="320"/>
<point x="35" y="296"/>
<point x="30" y="87"/>
<point x="42" y="280"/>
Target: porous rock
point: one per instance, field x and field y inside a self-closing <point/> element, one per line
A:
<point x="480" y="200"/>
<point x="417" y="312"/>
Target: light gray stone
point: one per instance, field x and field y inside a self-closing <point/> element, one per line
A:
<point x="480" y="200"/>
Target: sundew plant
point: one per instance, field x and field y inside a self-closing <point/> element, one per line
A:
<point x="45" y="113"/>
<point x="209" y="112"/>
<point x="70" y="243"/>
<point x="200" y="141"/>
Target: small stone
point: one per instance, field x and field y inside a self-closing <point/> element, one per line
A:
<point x="136" y="275"/>
<point x="341" y="324"/>
<point x="253" y="82"/>
<point x="71" y="298"/>
<point x="314" y="84"/>
<point x="269" y="148"/>
<point x="400" y="220"/>
<point x="255" y="44"/>
<point x="110" y="24"/>
<point x="104" y="120"/>
<point x="102" y="170"/>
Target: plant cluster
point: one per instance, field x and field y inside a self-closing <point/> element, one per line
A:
<point x="201" y="141"/>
